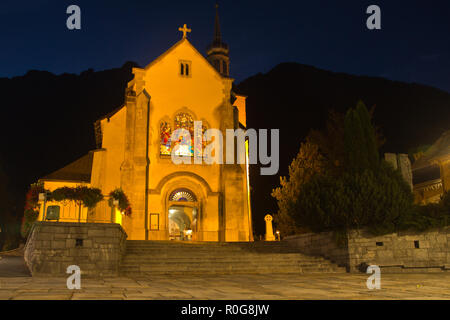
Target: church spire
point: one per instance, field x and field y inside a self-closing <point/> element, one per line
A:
<point x="218" y="52"/>
<point x="217" y="34"/>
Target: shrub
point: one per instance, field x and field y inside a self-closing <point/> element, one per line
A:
<point x="378" y="201"/>
<point x="31" y="212"/>
<point x="429" y="216"/>
<point x="88" y="197"/>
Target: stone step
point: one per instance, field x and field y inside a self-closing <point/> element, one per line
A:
<point x="217" y="254"/>
<point x="197" y="245"/>
<point x="208" y="264"/>
<point x="224" y="260"/>
<point x="175" y="257"/>
<point x="220" y="265"/>
<point x="237" y="250"/>
<point x="181" y="244"/>
<point x="232" y="270"/>
<point x="198" y="259"/>
<point x="209" y="243"/>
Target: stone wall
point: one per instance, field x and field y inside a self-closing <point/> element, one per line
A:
<point x="405" y="251"/>
<point x="96" y="248"/>
<point x="399" y="252"/>
<point x="320" y="244"/>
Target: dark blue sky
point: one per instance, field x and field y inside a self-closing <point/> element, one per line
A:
<point x="413" y="45"/>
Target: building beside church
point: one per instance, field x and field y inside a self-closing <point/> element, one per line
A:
<point x="431" y="172"/>
<point x="210" y="202"/>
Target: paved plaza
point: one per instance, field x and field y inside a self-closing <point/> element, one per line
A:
<point x="232" y="287"/>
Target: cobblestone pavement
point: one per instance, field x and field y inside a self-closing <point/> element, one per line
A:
<point x="232" y="287"/>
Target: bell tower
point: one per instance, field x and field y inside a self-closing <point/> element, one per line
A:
<point x="218" y="51"/>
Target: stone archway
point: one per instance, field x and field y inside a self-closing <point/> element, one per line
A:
<point x="182" y="214"/>
<point x="202" y="205"/>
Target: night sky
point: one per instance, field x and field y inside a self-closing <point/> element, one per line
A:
<point x="413" y="45"/>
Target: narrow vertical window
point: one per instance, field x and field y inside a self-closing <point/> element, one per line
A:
<point x="166" y="144"/>
<point x="185" y="68"/>
<point x="217" y="65"/>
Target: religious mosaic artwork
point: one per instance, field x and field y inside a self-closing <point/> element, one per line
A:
<point x="203" y="142"/>
<point x="185" y="142"/>
<point x="166" y="132"/>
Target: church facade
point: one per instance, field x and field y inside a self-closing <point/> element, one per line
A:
<point x="202" y="202"/>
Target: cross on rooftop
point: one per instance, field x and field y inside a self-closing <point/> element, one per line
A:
<point x="185" y="30"/>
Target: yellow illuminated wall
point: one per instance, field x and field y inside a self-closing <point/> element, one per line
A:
<point x="157" y="93"/>
<point x="69" y="211"/>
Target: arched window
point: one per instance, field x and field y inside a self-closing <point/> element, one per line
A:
<point x="224" y="67"/>
<point x="182" y="195"/>
<point x="184" y="142"/>
<point x="217" y="65"/>
<point x="201" y="147"/>
<point x="166" y="132"/>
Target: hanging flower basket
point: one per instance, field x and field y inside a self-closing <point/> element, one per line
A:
<point x="120" y="196"/>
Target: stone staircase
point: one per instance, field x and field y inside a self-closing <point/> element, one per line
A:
<point x="173" y="257"/>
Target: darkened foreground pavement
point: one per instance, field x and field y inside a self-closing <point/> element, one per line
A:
<point x="12" y="267"/>
<point x="232" y="287"/>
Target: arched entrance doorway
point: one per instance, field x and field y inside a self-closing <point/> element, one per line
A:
<point x="183" y="215"/>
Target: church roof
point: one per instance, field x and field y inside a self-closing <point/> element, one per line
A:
<point x="77" y="171"/>
<point x="440" y="149"/>
<point x="178" y="43"/>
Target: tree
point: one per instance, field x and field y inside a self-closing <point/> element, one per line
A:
<point x="360" y="141"/>
<point x="330" y="142"/>
<point x="307" y="163"/>
<point x="350" y="188"/>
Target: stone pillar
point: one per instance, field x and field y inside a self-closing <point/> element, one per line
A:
<point x="445" y="174"/>
<point x="234" y="218"/>
<point x="404" y="165"/>
<point x="401" y="162"/>
<point x="392" y="159"/>
<point x="269" y="229"/>
<point x="133" y="169"/>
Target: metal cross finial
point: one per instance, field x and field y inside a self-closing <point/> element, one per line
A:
<point x="185" y="30"/>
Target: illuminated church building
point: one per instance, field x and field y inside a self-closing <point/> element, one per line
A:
<point x="209" y="202"/>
